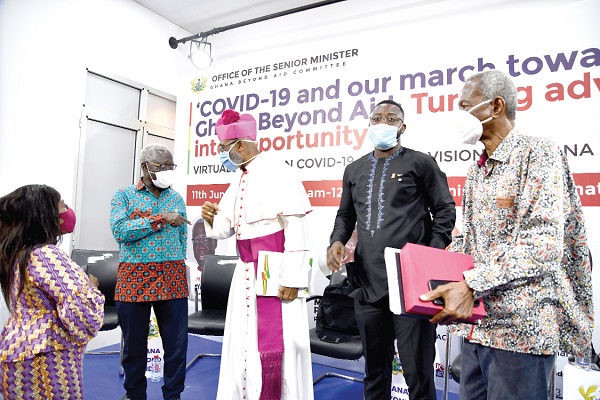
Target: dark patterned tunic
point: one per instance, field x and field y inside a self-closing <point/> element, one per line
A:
<point x="403" y="198"/>
<point x="523" y="225"/>
<point x="152" y="252"/>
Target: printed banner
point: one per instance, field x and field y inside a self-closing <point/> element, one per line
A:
<point x="312" y="97"/>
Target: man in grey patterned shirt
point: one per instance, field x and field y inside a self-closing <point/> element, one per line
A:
<point x="524" y="227"/>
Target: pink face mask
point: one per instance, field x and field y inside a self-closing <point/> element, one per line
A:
<point x="67" y="220"/>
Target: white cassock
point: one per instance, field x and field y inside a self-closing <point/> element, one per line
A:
<point x="266" y="198"/>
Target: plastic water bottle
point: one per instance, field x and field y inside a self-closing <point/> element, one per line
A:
<point x="155" y="369"/>
<point x="584" y="362"/>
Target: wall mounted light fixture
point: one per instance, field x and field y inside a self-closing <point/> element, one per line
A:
<point x="201" y="50"/>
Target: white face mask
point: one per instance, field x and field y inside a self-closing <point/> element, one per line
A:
<point x="467" y="126"/>
<point x="164" y="179"/>
<point x="383" y="136"/>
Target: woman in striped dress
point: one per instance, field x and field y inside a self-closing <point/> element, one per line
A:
<point x="55" y="308"/>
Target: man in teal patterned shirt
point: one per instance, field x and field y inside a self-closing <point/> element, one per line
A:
<point x="148" y="221"/>
<point x="524" y="226"/>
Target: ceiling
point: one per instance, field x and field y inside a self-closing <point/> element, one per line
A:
<point x="197" y="16"/>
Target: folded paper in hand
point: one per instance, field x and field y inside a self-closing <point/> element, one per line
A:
<point x="269" y="273"/>
<point x="410" y="270"/>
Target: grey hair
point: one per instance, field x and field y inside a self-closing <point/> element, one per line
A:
<point x="150" y="152"/>
<point x="494" y="83"/>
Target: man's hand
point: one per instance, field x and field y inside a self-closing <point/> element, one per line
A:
<point x="209" y="210"/>
<point x="174" y="219"/>
<point x="458" y="302"/>
<point x="286" y="293"/>
<point x="335" y="256"/>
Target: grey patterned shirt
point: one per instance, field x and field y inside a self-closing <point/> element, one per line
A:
<point x="524" y="226"/>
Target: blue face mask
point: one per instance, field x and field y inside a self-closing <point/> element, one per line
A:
<point x="383" y="136"/>
<point x="226" y="161"/>
<point x="225" y="158"/>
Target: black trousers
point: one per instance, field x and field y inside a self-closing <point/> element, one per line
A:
<point x="378" y="328"/>
<point x="172" y="318"/>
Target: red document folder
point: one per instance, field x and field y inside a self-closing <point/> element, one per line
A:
<point x="410" y="270"/>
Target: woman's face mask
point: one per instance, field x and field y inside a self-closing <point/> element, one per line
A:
<point x="67" y="220"/>
<point x="468" y="127"/>
<point x="383" y="136"/>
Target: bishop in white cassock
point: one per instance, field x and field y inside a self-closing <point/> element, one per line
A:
<point x="266" y="347"/>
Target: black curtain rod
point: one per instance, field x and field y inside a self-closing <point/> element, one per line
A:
<point x="174" y="42"/>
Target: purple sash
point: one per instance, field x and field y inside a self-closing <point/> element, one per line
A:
<point x="270" y="324"/>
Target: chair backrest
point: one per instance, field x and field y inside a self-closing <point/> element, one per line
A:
<point x="104" y="266"/>
<point x="338" y="276"/>
<point x="80" y="256"/>
<point x="215" y="282"/>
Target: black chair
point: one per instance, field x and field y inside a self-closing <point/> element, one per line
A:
<point x="338" y="345"/>
<point x="103" y="265"/>
<point x="217" y="273"/>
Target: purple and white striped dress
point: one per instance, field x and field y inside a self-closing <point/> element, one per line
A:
<point x="52" y="319"/>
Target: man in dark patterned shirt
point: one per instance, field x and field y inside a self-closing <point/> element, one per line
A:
<point x="523" y="225"/>
<point x="393" y="195"/>
<point x="148" y="221"/>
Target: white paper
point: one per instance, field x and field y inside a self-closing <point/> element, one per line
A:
<point x="389" y="255"/>
<point x="269" y="273"/>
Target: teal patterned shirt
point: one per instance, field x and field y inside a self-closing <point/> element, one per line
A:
<point x="152" y="252"/>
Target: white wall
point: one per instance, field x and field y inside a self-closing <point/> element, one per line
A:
<point x="45" y="48"/>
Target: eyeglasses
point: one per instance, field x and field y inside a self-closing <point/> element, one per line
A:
<point x="162" y="167"/>
<point x="223" y="148"/>
<point x="390" y="119"/>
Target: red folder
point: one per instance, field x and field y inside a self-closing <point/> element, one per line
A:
<point x="416" y="266"/>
